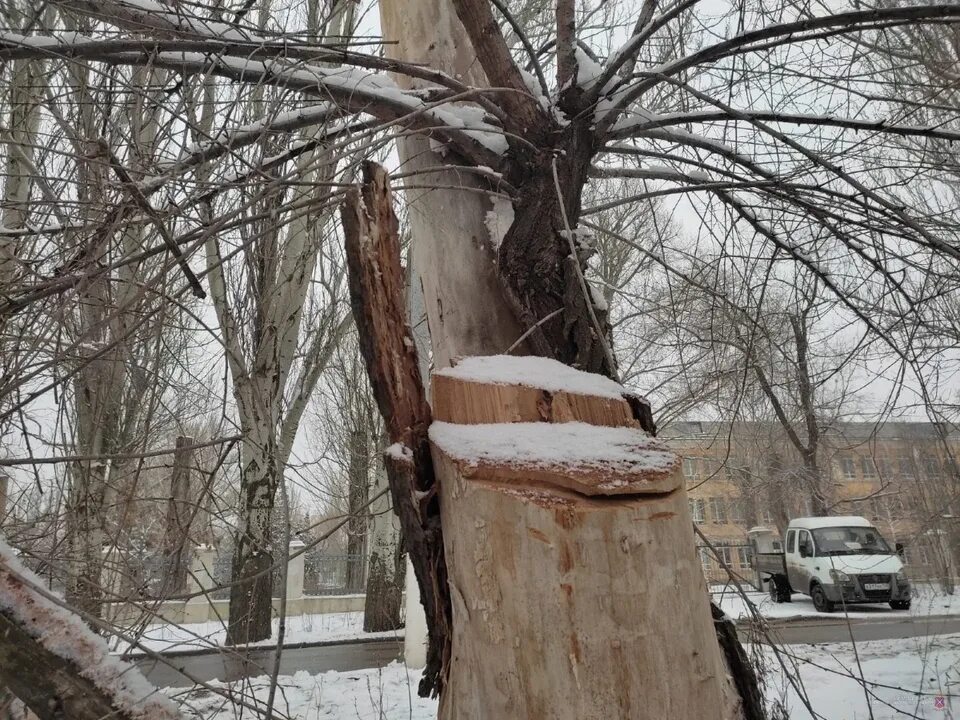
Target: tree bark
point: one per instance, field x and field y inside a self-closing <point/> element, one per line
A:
<point x="358" y="491"/>
<point x="251" y="596"/>
<point x="385" y="567"/>
<point x="179" y="514"/>
<point x="378" y="301"/>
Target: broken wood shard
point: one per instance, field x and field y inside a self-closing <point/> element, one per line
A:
<point x="378" y="302"/>
<point x="570" y="559"/>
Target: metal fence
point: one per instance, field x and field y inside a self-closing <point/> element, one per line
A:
<point x="325" y="574"/>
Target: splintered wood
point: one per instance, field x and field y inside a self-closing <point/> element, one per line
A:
<point x="378" y="302"/>
<point x="570" y="555"/>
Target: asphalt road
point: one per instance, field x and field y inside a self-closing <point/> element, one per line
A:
<point x="313" y="657"/>
<point x="358" y="654"/>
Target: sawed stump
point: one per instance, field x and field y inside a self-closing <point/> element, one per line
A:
<point x="577" y="592"/>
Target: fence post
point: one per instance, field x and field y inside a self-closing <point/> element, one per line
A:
<point x="415" y="632"/>
<point x="295" y="568"/>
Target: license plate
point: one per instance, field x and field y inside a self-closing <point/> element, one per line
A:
<point x="876" y="586"/>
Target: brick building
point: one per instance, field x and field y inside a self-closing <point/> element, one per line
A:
<point x="902" y="476"/>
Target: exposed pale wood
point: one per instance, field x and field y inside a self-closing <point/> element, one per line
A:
<point x="461" y="401"/>
<point x="452" y="256"/>
<point x="379" y="307"/>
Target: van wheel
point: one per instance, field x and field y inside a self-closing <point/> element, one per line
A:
<point x="820" y="600"/>
<point x="900" y="604"/>
<point x="777" y="591"/>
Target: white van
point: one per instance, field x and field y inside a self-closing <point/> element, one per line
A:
<point x="834" y="560"/>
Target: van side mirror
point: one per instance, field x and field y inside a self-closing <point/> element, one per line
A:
<point x="901" y="551"/>
<point x="804" y="549"/>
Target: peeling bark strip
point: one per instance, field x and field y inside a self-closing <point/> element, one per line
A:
<point x="378" y="302"/>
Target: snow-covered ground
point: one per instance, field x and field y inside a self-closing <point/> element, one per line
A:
<point x="903" y="678"/>
<point x="300" y="629"/>
<point x="927" y="601"/>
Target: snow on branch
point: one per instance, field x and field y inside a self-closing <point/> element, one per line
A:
<point x="57" y="665"/>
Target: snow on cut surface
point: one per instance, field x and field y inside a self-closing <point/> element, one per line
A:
<point x="548" y="445"/>
<point x="535" y="372"/>
<point x="65" y="635"/>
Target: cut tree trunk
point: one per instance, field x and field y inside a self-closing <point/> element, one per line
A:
<point x="576" y="588"/>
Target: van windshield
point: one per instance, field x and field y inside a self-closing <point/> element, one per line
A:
<point x="850" y="541"/>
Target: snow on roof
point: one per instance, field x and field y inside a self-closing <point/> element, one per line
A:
<point x="530" y="371"/>
<point x="811" y="523"/>
<point x="595" y="459"/>
<point x="64" y="634"/>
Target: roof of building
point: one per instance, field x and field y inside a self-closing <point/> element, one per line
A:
<point x="812" y="523"/>
<point x="849" y="430"/>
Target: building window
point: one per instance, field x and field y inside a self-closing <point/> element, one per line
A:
<point x="905" y="463"/>
<point x="883" y="468"/>
<point x="736" y="511"/>
<point x="765" y="516"/>
<point x="706" y="559"/>
<point x="868" y="469"/>
<point x="848" y="467"/>
<point x="723" y="552"/>
<point x="689" y="467"/>
<point x="743" y="556"/>
<point x="718" y="510"/>
<point x="698" y="508"/>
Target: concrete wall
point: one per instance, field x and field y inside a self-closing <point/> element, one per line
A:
<point x="200" y="610"/>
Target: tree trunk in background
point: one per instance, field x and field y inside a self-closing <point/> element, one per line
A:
<point x="358" y="492"/>
<point x="251" y="594"/>
<point x="180" y="510"/>
<point x="386" y="567"/>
